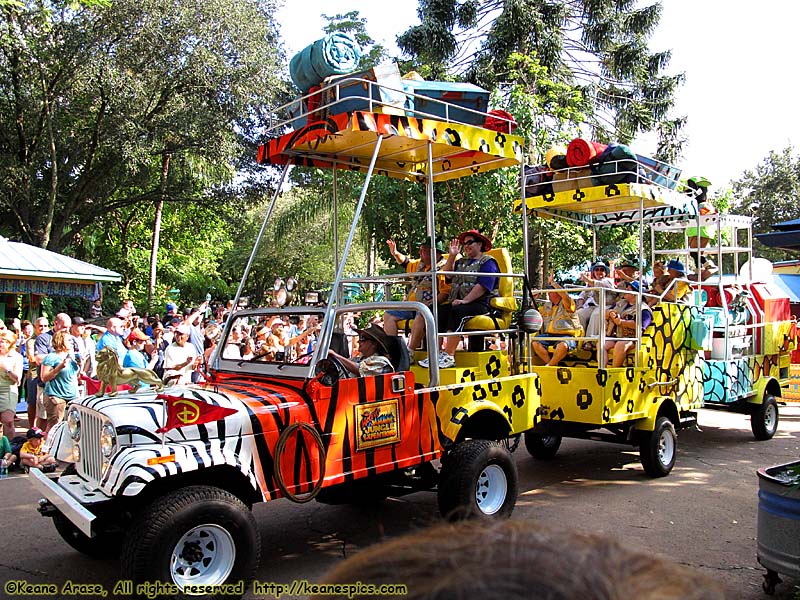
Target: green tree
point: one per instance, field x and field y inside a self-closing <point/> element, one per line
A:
<point x="105" y="108"/>
<point x="597" y="46"/>
<point x="769" y="194"/>
<point x="298" y="243"/>
<point x="563" y="69"/>
<point x="196" y="238"/>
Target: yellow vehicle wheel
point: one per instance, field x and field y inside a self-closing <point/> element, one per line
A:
<point x="542" y="447"/>
<point x="657" y="448"/>
<point x="478" y="480"/>
<point x="764" y="420"/>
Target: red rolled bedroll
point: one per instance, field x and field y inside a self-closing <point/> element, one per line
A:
<point x="581" y="152"/>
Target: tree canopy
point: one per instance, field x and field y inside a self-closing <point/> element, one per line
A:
<point x="600" y="47"/>
<point x="770" y="193"/>
<point x="92" y="96"/>
<point x="113" y="113"/>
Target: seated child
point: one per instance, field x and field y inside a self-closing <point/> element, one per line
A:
<point x="623" y="324"/>
<point x="559" y="319"/>
<point x="32" y="454"/>
<point x="6" y="454"/>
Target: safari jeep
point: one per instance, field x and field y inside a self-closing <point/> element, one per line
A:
<point x="167" y="478"/>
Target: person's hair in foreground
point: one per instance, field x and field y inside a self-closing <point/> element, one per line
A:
<point x="519" y="560"/>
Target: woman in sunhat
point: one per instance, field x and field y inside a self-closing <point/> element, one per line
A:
<point x="588" y="301"/>
<point x="470" y="293"/>
<point x="373" y="349"/>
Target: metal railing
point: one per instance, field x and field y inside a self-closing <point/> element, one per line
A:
<point x="333" y="98"/>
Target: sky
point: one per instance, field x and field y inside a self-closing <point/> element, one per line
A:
<point x="740" y="62"/>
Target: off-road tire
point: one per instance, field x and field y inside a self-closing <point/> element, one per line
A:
<point x="102" y="545"/>
<point x="764" y="419"/>
<point x="478" y="480"/>
<point x="156" y="532"/>
<point x="542" y="447"/>
<point x="658" y="448"/>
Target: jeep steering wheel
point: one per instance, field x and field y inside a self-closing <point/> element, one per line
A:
<point x="330" y="370"/>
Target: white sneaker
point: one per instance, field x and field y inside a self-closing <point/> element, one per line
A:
<point x="446" y="361"/>
<point x="425" y="362"/>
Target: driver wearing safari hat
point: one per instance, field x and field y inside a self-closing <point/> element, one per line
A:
<point x="373" y="348"/>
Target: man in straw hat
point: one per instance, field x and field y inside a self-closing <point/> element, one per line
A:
<point x="373" y="349"/>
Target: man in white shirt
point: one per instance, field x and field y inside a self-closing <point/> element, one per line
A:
<point x="180" y="358"/>
<point x="232" y="348"/>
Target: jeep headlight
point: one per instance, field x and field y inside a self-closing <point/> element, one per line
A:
<point x="108" y="439"/>
<point x="74" y="424"/>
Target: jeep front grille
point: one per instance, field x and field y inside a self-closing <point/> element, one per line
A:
<point x="91" y="461"/>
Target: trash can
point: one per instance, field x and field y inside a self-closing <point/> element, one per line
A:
<point x="779" y="522"/>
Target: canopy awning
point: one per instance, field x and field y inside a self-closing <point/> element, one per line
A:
<point x="785" y="240"/>
<point x="789" y="284"/>
<point x="612" y="204"/>
<point x="786" y="236"/>
<point x="26" y="269"/>
<point x="348" y="140"/>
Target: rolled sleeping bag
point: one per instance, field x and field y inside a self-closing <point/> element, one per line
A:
<point x="581" y="152"/>
<point x="337" y="53"/>
<point x="552" y="153"/>
<point x="538" y="180"/>
<point x="617" y="164"/>
<point x="500" y="120"/>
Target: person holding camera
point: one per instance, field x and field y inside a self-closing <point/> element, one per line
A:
<point x="59" y="372"/>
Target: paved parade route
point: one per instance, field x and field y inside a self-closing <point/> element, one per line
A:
<point x="703" y="515"/>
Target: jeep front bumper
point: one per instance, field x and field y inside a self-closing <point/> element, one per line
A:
<point x="69" y="495"/>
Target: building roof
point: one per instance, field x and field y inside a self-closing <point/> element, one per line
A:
<point x="22" y="261"/>
<point x="789" y="284"/>
<point x="786" y="240"/>
<point x="792" y="225"/>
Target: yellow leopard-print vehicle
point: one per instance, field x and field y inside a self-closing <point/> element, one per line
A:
<point x="719" y="346"/>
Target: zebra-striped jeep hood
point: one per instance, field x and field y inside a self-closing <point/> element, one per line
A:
<point x="234" y="441"/>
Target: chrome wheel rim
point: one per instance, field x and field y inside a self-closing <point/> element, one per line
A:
<point x="491" y="489"/>
<point x="770" y="417"/>
<point x="203" y="556"/>
<point x="666" y="448"/>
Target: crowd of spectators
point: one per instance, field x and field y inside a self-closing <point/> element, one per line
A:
<point x="49" y="366"/>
